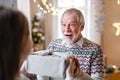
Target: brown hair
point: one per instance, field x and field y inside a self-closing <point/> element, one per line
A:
<point x="13" y="26"/>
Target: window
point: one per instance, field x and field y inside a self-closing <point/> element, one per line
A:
<point x="83" y="5"/>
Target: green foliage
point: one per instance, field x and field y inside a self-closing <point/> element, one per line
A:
<point x="109" y="69"/>
<point x="37" y="31"/>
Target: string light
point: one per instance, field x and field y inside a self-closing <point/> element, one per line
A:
<point x="34" y="1"/>
<point x="46" y="7"/>
<point x="38" y="5"/>
<point x="50" y="4"/>
<point x="41" y="8"/>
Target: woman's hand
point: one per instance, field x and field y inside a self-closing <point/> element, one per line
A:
<point x="28" y="75"/>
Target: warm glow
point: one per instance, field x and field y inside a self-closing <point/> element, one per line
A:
<point x="48" y="8"/>
<point x="50" y="4"/>
<point x="114" y="66"/>
<point x="41" y="8"/>
<point x="44" y="11"/>
<point x="34" y="0"/>
<point x="118" y="1"/>
<point x="38" y="5"/>
<point x="117" y="26"/>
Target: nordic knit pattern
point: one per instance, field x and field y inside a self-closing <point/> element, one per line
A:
<point x="89" y="55"/>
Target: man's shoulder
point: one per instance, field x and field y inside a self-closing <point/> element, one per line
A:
<point x="89" y="43"/>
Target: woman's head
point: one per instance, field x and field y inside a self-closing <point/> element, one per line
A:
<point x="14" y="39"/>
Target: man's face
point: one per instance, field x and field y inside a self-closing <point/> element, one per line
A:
<point x="71" y="29"/>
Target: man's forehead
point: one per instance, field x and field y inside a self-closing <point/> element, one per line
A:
<point x="69" y="19"/>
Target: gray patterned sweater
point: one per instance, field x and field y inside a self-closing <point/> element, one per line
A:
<point x="90" y="57"/>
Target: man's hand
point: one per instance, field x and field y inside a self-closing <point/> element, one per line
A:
<point x="73" y="69"/>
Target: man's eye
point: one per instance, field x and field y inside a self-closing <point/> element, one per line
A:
<point x="63" y="24"/>
<point x="73" y="24"/>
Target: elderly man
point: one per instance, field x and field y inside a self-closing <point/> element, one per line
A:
<point x="89" y="54"/>
<point x="89" y="62"/>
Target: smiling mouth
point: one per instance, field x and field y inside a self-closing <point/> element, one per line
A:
<point x="69" y="36"/>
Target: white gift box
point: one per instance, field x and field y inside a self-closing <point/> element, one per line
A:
<point x="45" y="63"/>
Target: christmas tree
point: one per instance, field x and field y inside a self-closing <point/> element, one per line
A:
<point x="38" y="35"/>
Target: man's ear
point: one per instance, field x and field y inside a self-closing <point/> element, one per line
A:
<point x="82" y="27"/>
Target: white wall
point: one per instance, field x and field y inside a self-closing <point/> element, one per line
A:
<point x="24" y="7"/>
<point x="9" y="3"/>
<point x="50" y="23"/>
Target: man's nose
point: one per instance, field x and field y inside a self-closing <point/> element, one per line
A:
<point x="67" y="28"/>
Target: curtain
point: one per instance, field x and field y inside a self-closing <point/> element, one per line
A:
<point x="97" y="20"/>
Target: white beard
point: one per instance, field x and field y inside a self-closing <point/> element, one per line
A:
<point x="69" y="42"/>
<point x="73" y="40"/>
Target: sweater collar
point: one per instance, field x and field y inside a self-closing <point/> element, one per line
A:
<point x="79" y="43"/>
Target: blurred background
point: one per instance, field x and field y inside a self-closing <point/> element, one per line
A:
<point x="102" y="23"/>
